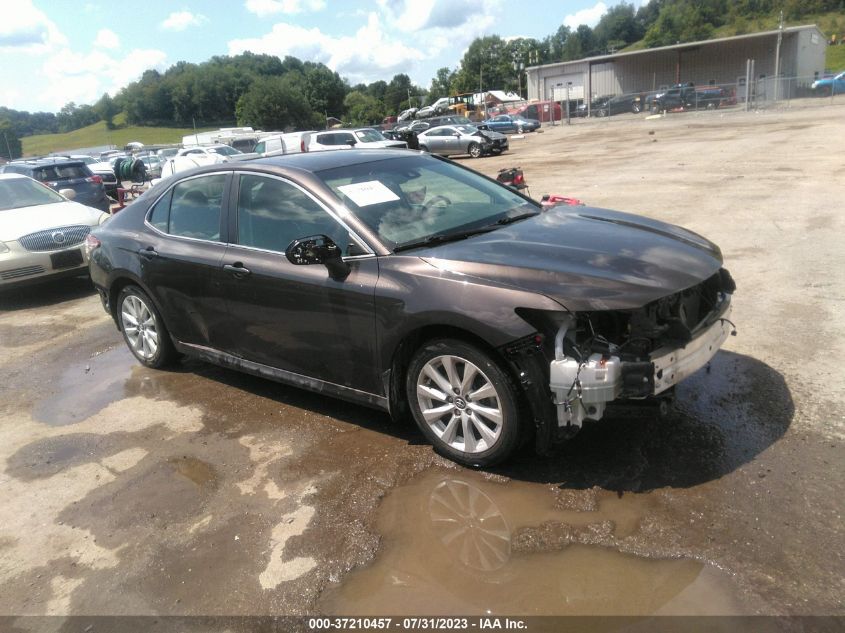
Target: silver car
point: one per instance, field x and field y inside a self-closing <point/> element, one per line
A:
<point x="41" y="231"/>
<point x="448" y="140"/>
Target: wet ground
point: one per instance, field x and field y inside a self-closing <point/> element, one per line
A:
<point x="198" y="490"/>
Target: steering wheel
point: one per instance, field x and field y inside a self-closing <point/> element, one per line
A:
<point x="437" y="202"/>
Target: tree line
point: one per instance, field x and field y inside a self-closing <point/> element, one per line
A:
<point x="264" y="91"/>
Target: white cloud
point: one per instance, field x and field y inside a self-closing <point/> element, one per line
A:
<point x="106" y="38"/>
<point x="263" y="8"/>
<point x="367" y="55"/>
<point x="181" y="20"/>
<point x="590" y="16"/>
<point x="421" y="15"/>
<point x="26" y="29"/>
<point x="84" y="77"/>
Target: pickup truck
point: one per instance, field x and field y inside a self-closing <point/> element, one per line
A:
<point x="688" y="97"/>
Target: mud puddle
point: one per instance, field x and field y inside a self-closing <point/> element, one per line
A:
<point x="455" y="542"/>
<point x="85" y="387"/>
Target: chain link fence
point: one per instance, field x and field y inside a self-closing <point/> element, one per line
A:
<point x="757" y="94"/>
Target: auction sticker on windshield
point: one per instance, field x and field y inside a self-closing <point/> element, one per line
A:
<point x="366" y="193"/>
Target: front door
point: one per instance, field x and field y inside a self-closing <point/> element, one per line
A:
<point x="296" y="317"/>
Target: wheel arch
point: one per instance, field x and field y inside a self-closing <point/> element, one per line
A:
<point x="412" y="341"/>
<point x="117" y="284"/>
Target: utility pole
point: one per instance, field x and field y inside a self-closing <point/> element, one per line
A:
<point x="777" y="55"/>
<point x="8" y="149"/>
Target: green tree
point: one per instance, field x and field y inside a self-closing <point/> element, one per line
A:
<point x="441" y="84"/>
<point x="618" y="27"/>
<point x="106" y="108"/>
<point x="486" y="64"/>
<point x="396" y="93"/>
<point x="10" y="144"/>
<point x="362" y="109"/>
<point x="276" y="103"/>
<point x="678" y="22"/>
<point x="324" y="89"/>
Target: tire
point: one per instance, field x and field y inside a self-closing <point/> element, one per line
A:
<point x="447" y="415"/>
<point x="635" y="108"/>
<point x="423" y="148"/>
<point x="602" y="112"/>
<point x="519" y="129"/>
<point x="655" y="109"/>
<point x="152" y="345"/>
<point x="475" y="150"/>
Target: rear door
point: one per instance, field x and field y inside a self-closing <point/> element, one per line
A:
<point x="181" y="258"/>
<point x="297" y="318"/>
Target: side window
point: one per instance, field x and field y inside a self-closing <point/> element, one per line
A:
<point x="273" y="213"/>
<point x="195" y="208"/>
<point x="160" y="217"/>
<point x="259" y="149"/>
<point x="326" y="139"/>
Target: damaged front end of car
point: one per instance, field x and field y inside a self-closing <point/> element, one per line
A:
<point x="593" y="358"/>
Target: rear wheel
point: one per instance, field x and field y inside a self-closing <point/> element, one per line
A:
<point x="143" y="328"/>
<point x="601" y="112"/>
<point x="463" y="402"/>
<point x="474" y="150"/>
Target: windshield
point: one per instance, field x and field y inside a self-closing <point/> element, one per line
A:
<point x="413" y="198"/>
<point x="467" y="129"/>
<point x="369" y="136"/>
<point x="225" y="150"/>
<point x="23" y="192"/>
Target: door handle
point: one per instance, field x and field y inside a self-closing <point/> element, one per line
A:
<point x="148" y="252"/>
<point x="237" y="270"/>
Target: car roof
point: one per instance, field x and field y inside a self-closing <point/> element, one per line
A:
<point x="43" y="162"/>
<point x="12" y="176"/>
<point x="318" y="161"/>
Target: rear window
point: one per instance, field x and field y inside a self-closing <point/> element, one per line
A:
<point x="61" y="172"/>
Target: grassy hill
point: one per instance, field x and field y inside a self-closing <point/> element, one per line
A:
<point x="97" y="134"/>
<point x="829" y="23"/>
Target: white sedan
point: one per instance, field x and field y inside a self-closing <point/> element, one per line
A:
<point x="199" y="155"/>
<point x="42" y="232"/>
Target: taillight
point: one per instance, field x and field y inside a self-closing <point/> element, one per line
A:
<point x="302" y="145"/>
<point x="518" y="179"/>
<point x="95" y="178"/>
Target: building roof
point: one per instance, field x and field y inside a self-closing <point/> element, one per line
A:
<point x="684" y="46"/>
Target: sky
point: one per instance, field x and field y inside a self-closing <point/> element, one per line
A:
<point x="56" y="51"/>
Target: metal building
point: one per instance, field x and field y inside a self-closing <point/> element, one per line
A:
<point x="718" y="62"/>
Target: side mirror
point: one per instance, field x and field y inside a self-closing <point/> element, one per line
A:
<point x="70" y="194"/>
<point x="318" y="249"/>
<point x="351" y="142"/>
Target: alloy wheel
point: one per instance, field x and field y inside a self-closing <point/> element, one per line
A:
<point x="460" y="404"/>
<point x="139" y="325"/>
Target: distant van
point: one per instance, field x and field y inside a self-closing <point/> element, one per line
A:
<point x="290" y="143"/>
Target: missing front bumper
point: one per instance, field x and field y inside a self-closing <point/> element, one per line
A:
<point x="582" y="389"/>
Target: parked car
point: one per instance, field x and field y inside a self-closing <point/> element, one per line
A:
<point x="449" y="140"/>
<point x="511" y="123"/>
<point x="438" y="107"/>
<point x="167" y="153"/>
<point x="361" y="138"/>
<point x="435" y="121"/>
<point x="152" y="164"/>
<point x="828" y="86"/>
<point x="64" y="173"/>
<point x="406" y="282"/>
<point x="543" y="111"/>
<point x="220" y="152"/>
<point x="103" y="169"/>
<point x="290" y="143"/>
<point x="688" y="97"/>
<point x="41" y="232"/>
<point x="611" y="104"/>
<point x="406" y="114"/>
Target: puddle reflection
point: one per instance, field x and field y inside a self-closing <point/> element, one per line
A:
<point x="455" y="543"/>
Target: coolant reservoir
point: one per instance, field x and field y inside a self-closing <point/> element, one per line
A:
<point x="600" y="378"/>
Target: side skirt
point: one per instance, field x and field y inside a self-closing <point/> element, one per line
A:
<point x="280" y="375"/>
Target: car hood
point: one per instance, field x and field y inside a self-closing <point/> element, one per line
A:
<point x="490" y="134"/>
<point x="15" y="223"/>
<point x="382" y="144"/>
<point x="585" y="258"/>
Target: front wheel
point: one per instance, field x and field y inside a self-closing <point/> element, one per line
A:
<point x="475" y="150"/>
<point x="463" y="403"/>
<point x="143" y="328"/>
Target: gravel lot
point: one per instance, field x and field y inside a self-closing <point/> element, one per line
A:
<point x="201" y="491"/>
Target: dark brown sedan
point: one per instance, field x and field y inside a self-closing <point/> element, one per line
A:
<point x="405" y="282"/>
